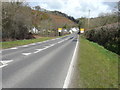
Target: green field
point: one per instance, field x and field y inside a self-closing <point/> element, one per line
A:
<point x="96" y="66"/>
<point x="23" y="42"/>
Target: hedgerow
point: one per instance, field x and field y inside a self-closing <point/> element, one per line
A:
<point x="107" y="36"/>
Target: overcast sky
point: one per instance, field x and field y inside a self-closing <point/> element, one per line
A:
<point x="77" y="8"/>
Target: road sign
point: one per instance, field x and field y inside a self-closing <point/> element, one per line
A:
<point x="82" y="30"/>
<point x="59" y="29"/>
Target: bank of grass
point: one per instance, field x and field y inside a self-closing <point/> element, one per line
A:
<point x="97" y="67"/>
<point x="23" y="42"/>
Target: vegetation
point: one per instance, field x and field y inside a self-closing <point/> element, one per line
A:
<point x="106" y="36"/>
<point x="64" y="15"/>
<point x="105" y="32"/>
<point x="102" y="20"/>
<point x="96" y="66"/>
<point x="19" y="20"/>
<point x="16" y="20"/>
<point x="23" y="42"/>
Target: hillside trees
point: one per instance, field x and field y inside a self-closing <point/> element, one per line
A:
<point x="102" y="19"/>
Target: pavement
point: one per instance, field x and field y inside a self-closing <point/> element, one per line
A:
<point x="38" y="65"/>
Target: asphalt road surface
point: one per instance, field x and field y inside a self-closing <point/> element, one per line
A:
<point x="38" y="65"/>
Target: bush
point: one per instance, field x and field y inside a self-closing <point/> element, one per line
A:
<point x="107" y="36"/>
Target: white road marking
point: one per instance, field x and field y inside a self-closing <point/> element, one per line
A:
<point x="0" y="51"/>
<point x="33" y="44"/>
<point x="38" y="50"/>
<point x="46" y="47"/>
<point x="71" y="68"/>
<point x="60" y="41"/>
<point x="39" y="42"/>
<point x="52" y="45"/>
<point x="26" y="54"/>
<point x="5" y="63"/>
<point x="14" y="48"/>
<point x="25" y="46"/>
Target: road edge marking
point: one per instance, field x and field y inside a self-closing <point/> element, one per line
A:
<point x="71" y="67"/>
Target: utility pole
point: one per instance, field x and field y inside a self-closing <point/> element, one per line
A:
<point x="88" y="19"/>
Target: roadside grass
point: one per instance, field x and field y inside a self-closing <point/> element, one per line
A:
<point x="96" y="66"/>
<point x="10" y="44"/>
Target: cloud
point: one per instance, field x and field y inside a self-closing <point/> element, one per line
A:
<point x="76" y="8"/>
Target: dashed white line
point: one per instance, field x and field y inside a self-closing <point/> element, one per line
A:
<point x="46" y="47"/>
<point x="26" y="54"/>
<point x="38" y="50"/>
<point x="14" y="48"/>
<point x="33" y="44"/>
<point x="52" y="45"/>
<point x="25" y="46"/>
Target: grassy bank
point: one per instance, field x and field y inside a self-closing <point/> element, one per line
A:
<point x="23" y="42"/>
<point x="97" y="67"/>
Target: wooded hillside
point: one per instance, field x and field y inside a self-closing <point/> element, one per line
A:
<point x="19" y="19"/>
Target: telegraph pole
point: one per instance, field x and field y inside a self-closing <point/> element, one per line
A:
<point x="88" y="19"/>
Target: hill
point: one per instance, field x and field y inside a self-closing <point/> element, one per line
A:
<point x="19" y="21"/>
<point x="47" y="23"/>
<point x="50" y="19"/>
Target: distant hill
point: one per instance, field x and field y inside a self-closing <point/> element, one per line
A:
<point x="58" y="13"/>
<point x="50" y="19"/>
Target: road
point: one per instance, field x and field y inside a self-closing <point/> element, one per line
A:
<point x="39" y="65"/>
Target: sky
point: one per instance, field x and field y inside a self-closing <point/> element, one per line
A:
<point x="77" y="8"/>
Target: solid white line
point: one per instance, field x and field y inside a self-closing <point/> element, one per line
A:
<point x="70" y="70"/>
<point x="26" y="54"/>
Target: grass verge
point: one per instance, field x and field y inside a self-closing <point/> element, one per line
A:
<point x="23" y="42"/>
<point x="96" y="66"/>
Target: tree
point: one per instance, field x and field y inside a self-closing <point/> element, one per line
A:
<point x="37" y="8"/>
<point x="16" y="20"/>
